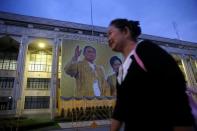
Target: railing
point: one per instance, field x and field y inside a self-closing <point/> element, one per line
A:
<point x="75" y="109"/>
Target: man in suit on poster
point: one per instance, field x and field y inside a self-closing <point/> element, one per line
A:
<point x="90" y="78"/>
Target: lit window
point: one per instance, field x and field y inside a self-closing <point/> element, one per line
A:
<point x="41" y="61"/>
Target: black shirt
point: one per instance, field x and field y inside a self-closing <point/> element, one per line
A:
<point x="156" y="99"/>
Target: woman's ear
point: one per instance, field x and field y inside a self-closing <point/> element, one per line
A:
<point x="127" y="32"/>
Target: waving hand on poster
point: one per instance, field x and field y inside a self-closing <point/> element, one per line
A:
<point x="90" y="78"/>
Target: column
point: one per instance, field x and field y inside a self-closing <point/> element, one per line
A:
<point x="20" y="73"/>
<point x="54" y="76"/>
<point x="187" y="69"/>
<point x="193" y="70"/>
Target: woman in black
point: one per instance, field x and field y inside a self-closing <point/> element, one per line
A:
<point x="150" y="87"/>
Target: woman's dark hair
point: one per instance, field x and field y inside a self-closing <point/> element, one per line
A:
<point x="133" y="26"/>
<point x="113" y="58"/>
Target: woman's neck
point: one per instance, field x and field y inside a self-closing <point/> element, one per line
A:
<point x="128" y="48"/>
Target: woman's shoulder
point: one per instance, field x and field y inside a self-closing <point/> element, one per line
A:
<point x="147" y="44"/>
<point x="148" y="48"/>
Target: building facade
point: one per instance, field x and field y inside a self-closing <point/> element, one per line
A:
<point x="30" y="60"/>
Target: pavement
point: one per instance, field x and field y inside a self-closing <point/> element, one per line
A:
<point x="98" y="125"/>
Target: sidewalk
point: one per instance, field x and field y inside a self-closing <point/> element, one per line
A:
<point x="101" y="125"/>
<point x="96" y="123"/>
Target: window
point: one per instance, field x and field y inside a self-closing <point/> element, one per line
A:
<point x="8" y="61"/>
<point x="40" y="61"/>
<point x="38" y="83"/>
<point x="6" y="82"/>
<point x="6" y="103"/>
<point x="37" y="102"/>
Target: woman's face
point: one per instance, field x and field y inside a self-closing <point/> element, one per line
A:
<point x="116" y="38"/>
<point x="116" y="65"/>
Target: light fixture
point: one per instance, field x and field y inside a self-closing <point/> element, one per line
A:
<point x="41" y="45"/>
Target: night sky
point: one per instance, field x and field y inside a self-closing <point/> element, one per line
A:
<point x="156" y="16"/>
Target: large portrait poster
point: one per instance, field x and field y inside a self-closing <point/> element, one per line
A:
<point x="86" y="69"/>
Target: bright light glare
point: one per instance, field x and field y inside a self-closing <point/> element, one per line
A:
<point x="41" y="45"/>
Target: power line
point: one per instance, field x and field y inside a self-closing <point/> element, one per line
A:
<point x="92" y="24"/>
<point x="175" y="27"/>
